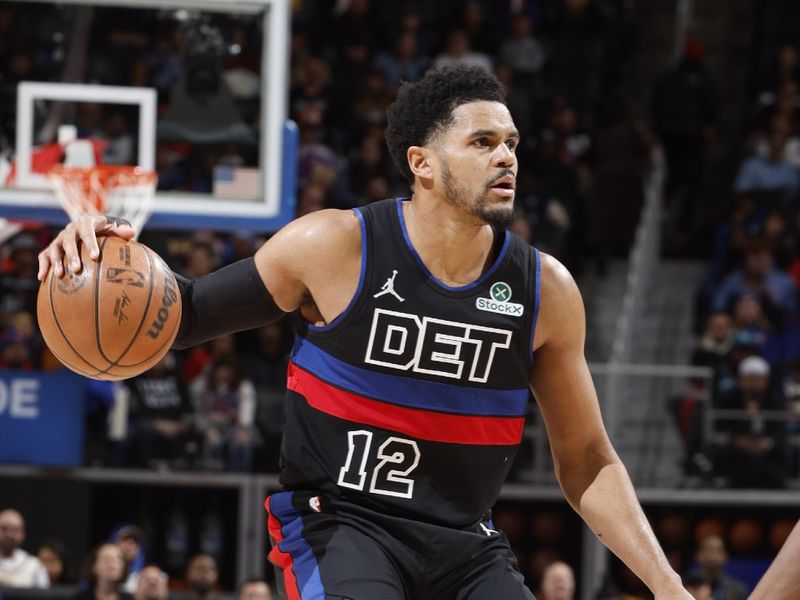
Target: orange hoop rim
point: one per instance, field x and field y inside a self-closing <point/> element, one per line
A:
<point x="106" y="174"/>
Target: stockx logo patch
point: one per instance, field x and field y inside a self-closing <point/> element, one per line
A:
<point x="499" y="301"/>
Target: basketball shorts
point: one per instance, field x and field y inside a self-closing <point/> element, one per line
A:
<point x="330" y="549"/>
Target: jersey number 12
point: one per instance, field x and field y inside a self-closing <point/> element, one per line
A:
<point x="397" y="458"/>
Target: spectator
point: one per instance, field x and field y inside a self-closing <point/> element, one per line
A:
<point x="698" y="586"/>
<point x="619" y="157"/>
<point x="772" y="174"/>
<point x="457" y="52"/>
<point x="558" y="582"/>
<point x="481" y="34"/>
<point x="524" y="54"/>
<point x="200" y="260"/>
<point x="715" y="344"/>
<point x="17" y="567"/>
<point x="160" y="415"/>
<point x="201" y="577"/>
<point x="405" y="63"/>
<point x="255" y="589"/>
<point x="225" y="407"/>
<point x="758" y="275"/>
<point x="152" y="584"/>
<point x="754" y="454"/>
<point x="711" y="558"/>
<point x="130" y="538"/>
<point x="55" y="559"/>
<point x="748" y="316"/>
<point x="683" y="108"/>
<point x="198" y="360"/>
<point x="17" y="351"/>
<point x="784" y="125"/>
<point x="104" y="571"/>
<point x="18" y="283"/>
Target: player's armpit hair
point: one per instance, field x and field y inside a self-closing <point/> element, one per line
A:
<point x="231" y="299"/>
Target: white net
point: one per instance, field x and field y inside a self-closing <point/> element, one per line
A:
<point x="125" y="192"/>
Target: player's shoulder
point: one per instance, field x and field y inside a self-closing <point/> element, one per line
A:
<point x="561" y="313"/>
<point x="324" y="229"/>
<point x="556" y="280"/>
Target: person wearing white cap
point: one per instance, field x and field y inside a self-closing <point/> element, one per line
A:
<point x="753" y="457"/>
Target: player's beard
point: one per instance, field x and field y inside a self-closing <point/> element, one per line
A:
<point x="499" y="216"/>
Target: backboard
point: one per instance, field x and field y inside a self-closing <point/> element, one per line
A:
<point x="210" y="119"/>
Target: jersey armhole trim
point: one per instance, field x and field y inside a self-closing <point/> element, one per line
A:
<point x="536" y="301"/>
<point x="361" y="277"/>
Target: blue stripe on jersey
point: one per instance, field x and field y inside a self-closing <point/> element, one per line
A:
<point x="433" y="277"/>
<point x="405" y="391"/>
<point x="304" y="563"/>
<point x="536" y="299"/>
<point x="347" y="310"/>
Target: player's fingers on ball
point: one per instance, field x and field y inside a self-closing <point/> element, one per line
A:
<point x="88" y="228"/>
<point x="44" y="264"/>
<point x="54" y="253"/>
<point x="72" y="258"/>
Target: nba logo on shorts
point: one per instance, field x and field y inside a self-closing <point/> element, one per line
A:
<point x="315" y="504"/>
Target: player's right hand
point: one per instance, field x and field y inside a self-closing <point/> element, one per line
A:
<point x="63" y="250"/>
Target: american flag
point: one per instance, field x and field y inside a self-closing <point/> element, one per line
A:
<point x="240" y="183"/>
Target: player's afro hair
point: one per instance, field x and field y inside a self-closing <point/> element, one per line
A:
<point x="424" y="107"/>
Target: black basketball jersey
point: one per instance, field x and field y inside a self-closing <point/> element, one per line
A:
<point x="413" y="400"/>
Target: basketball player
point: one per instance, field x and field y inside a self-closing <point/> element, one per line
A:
<point x="424" y="322"/>
<point x="781" y="581"/>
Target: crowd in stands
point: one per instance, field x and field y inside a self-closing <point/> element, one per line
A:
<point x="220" y="406"/>
<point x="115" y="569"/>
<point x="748" y="320"/>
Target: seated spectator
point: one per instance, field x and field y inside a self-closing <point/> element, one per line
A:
<point x="405" y="63"/>
<point x="199" y="358"/>
<point x="255" y="589"/>
<point x="152" y="584"/>
<point x="201" y="578"/>
<point x="18" y="283"/>
<point x="524" y="53"/>
<point x="103" y="572"/>
<point x="771" y="173"/>
<point x="225" y="409"/>
<point x="17" y="351"/>
<point x="698" y="586"/>
<point x="716" y="342"/>
<point x="160" y="415"/>
<point x="130" y="538"/>
<point x="711" y="558"/>
<point x="749" y="316"/>
<point x="759" y="275"/>
<point x="782" y="124"/>
<point x="558" y="582"/>
<point x="17" y="567"/>
<point x="457" y="52"/>
<point x="753" y="455"/>
<point x="55" y="559"/>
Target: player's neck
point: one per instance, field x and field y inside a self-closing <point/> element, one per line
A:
<point x="456" y="249"/>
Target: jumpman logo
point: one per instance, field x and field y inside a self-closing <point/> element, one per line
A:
<point x="388" y="288"/>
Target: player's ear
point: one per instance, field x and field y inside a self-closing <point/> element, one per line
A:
<point x="419" y="161"/>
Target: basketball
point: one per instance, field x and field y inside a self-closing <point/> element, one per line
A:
<point x="117" y="317"/>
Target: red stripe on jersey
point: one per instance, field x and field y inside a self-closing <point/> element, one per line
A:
<point x="419" y="423"/>
<point x="279" y="558"/>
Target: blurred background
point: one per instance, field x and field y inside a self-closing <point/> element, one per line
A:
<point x="659" y="161"/>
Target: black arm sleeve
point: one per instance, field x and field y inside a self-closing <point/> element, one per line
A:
<point x="231" y="299"/>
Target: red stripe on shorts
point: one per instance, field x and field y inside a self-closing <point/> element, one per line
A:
<point x="279" y="558"/>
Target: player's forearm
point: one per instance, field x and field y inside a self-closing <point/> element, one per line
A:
<point x="610" y="507"/>
<point x="781" y="581"/>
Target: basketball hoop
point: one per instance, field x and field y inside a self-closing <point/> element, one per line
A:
<point x="121" y="191"/>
